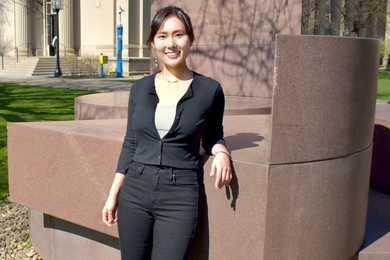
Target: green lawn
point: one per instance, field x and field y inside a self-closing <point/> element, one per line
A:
<point x="384" y="86"/>
<point x="31" y="103"/>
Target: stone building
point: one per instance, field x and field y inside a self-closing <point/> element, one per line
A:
<point x="89" y="27"/>
<point x="85" y="28"/>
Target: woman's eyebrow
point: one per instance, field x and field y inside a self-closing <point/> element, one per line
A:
<point x="176" y="31"/>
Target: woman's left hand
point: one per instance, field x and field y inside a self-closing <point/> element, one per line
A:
<point x="221" y="169"/>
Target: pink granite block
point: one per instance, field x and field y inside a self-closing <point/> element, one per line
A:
<point x="64" y="169"/>
<point x="324" y="97"/>
<point x="236" y="215"/>
<point x="250" y="75"/>
<point x="242" y="213"/>
<point x="111" y="105"/>
<point x="70" y="168"/>
<point x="317" y="210"/>
<point x="248" y="137"/>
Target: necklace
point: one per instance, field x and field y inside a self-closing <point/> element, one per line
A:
<point x="173" y="81"/>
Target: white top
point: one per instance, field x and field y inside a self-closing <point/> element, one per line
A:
<point x="163" y="119"/>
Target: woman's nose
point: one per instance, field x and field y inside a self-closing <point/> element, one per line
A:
<point x="170" y="43"/>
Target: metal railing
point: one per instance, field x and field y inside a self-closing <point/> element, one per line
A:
<point x="67" y="49"/>
<point x="17" y="54"/>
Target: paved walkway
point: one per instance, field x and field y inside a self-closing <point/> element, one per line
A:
<point x="98" y="84"/>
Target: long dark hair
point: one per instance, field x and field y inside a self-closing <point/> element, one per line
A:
<point x="163" y="14"/>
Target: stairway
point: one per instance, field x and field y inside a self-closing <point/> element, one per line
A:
<point x="33" y="66"/>
<point x="45" y="66"/>
<point x="24" y="67"/>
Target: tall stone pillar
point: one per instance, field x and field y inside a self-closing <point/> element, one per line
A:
<point x="22" y="41"/>
<point x="66" y="27"/>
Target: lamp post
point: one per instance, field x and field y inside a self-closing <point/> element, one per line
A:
<point x="56" y="6"/>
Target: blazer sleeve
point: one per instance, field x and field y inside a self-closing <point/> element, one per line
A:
<point x="128" y="146"/>
<point x="213" y="130"/>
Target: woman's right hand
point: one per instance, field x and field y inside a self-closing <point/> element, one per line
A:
<point x="109" y="211"/>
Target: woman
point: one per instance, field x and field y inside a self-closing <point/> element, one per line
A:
<point x="154" y="195"/>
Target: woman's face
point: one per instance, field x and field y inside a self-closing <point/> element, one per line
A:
<point x="172" y="44"/>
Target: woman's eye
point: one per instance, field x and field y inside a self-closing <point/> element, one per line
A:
<point x="161" y="36"/>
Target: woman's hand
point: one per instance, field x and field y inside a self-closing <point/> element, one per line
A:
<point x="109" y="211"/>
<point x="221" y="168"/>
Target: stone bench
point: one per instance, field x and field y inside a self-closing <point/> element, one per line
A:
<point x="302" y="173"/>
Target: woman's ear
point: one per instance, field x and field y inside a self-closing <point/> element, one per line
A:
<point x="153" y="46"/>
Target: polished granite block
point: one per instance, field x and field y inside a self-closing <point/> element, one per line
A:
<point x="324" y="97"/>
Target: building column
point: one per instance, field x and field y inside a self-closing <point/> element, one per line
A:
<point x="22" y="41"/>
<point x="66" y="27"/>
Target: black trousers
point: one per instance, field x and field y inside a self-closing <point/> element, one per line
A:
<point x="157" y="212"/>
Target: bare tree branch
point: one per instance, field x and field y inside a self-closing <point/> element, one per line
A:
<point x="7" y="6"/>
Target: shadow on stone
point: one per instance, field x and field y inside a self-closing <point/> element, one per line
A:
<point x="63" y="225"/>
<point x="380" y="167"/>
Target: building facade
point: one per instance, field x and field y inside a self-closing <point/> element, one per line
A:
<point x="84" y="27"/>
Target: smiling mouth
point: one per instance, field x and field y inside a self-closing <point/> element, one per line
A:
<point x="173" y="54"/>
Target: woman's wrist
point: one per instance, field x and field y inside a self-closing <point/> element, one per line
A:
<point x="224" y="152"/>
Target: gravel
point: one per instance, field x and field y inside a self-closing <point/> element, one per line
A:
<point x="15" y="233"/>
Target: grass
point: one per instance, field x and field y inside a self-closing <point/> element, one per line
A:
<point x="128" y="80"/>
<point x="34" y="103"/>
<point x="27" y="104"/>
<point x="384" y="86"/>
